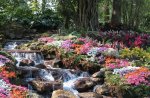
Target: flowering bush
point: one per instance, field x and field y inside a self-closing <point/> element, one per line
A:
<point x="95" y="50"/>
<point x="56" y="43"/>
<point x="46" y="39"/>
<point x="128" y="38"/>
<point x="8" y="90"/>
<point x="67" y="44"/>
<point x="84" y="48"/>
<point x="136" y="54"/>
<point x="139" y="76"/>
<point x="18" y="91"/>
<point x="124" y="70"/>
<point x="117" y="63"/>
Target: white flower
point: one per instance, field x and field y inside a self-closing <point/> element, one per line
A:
<point x="125" y="70"/>
<point x="4" y="85"/>
<point x="111" y="52"/>
<point x="56" y="43"/>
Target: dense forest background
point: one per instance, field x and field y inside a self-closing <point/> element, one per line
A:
<point x="74" y="15"/>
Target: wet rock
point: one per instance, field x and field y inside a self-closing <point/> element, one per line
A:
<point x="27" y="71"/>
<point x="89" y="95"/>
<point x="97" y="80"/>
<point x="101" y="89"/>
<point x="42" y="66"/>
<point x="63" y="94"/>
<point x="46" y="86"/>
<point x="27" y="62"/>
<point x="27" y="68"/>
<point x="53" y="63"/>
<point x="84" y="84"/>
<point x="99" y="74"/>
<point x="56" y="74"/>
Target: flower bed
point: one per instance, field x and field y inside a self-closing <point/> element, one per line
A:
<point x="8" y="90"/>
<point x="128" y="68"/>
<point x="125" y="38"/>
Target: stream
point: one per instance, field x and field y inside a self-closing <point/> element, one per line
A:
<point x="27" y="62"/>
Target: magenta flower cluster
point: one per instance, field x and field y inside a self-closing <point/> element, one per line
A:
<point x="129" y="38"/>
<point x="67" y="44"/>
<point x="118" y="64"/>
<point x="138" y="77"/>
<point x="85" y="48"/>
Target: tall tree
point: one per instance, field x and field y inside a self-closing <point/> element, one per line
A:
<point x="88" y="14"/>
<point x="116" y="13"/>
<point x="83" y="13"/>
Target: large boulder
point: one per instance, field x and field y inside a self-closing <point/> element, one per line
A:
<point x="63" y="94"/>
<point x="97" y="80"/>
<point x="89" y="95"/>
<point x="27" y="71"/>
<point x="46" y="86"/>
<point x="83" y="84"/>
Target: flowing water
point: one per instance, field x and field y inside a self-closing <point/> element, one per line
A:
<point x="12" y="44"/>
<point x="36" y="57"/>
<point x="67" y="76"/>
<point x="45" y="75"/>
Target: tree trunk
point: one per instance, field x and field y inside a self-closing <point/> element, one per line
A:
<point x="116" y="13"/>
<point x="88" y="14"/>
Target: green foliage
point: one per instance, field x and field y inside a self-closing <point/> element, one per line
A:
<point x="148" y="49"/>
<point x="140" y="91"/>
<point x="79" y="58"/>
<point x="29" y="15"/>
<point x="47" y="20"/>
<point x="141" y="57"/>
<point x="113" y="79"/>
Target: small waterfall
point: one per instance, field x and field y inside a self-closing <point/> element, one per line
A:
<point x="67" y="75"/>
<point x="33" y="58"/>
<point x="12" y="44"/>
<point x="84" y="74"/>
<point x="45" y="75"/>
<point x="69" y="84"/>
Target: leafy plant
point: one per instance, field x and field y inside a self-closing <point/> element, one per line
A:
<point x="138" y="55"/>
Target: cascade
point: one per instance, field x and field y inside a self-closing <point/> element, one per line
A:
<point x="12" y="44"/>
